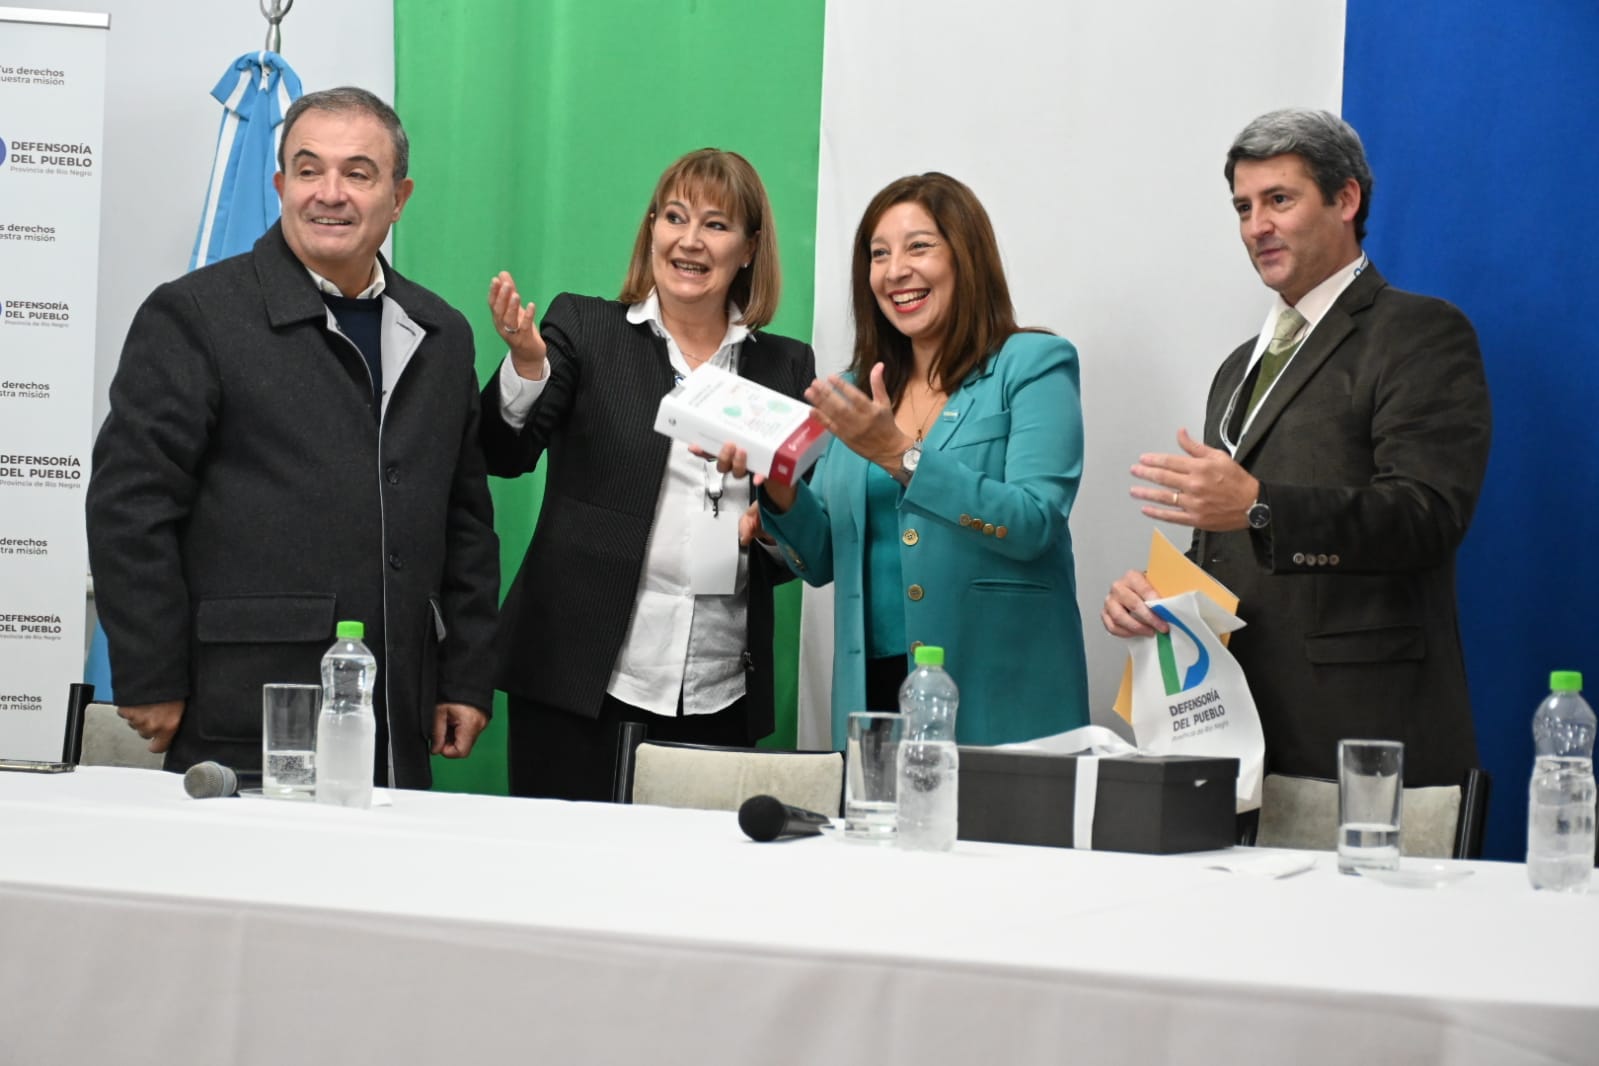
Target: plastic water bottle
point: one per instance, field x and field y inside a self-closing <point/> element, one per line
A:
<point x="928" y="761"/>
<point x="1560" y="810"/>
<point x="346" y="732"/>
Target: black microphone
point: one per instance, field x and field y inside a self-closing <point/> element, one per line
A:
<point x="212" y="780"/>
<point x="766" y="818"/>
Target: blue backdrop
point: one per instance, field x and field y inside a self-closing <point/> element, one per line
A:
<point x="1481" y="119"/>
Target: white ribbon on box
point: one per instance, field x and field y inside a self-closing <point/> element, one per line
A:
<point x="1190" y="697"/>
<point x="1089" y="743"/>
<point x="1083" y="803"/>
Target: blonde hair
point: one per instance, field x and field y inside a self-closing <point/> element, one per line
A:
<point x="727" y="180"/>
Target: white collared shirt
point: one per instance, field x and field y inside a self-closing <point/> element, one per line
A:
<point x="371" y="292"/>
<point x="1314" y="306"/>
<point x="677" y="642"/>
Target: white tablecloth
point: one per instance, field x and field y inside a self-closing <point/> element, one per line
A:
<point x="138" y="926"/>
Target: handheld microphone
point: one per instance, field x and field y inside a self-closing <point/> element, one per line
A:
<point x="212" y="780"/>
<point x="766" y="818"/>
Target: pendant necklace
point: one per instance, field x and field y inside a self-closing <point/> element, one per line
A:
<point x="921" y="423"/>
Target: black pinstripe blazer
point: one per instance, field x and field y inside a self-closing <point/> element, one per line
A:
<point x="564" y="620"/>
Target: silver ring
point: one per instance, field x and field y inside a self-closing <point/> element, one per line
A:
<point x="511" y="329"/>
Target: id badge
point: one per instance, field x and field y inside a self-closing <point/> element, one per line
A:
<point x="713" y="551"/>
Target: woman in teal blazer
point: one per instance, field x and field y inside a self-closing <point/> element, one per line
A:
<point x="939" y="511"/>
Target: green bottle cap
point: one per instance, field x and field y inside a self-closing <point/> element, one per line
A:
<point x="351" y="630"/>
<point x="929" y="655"/>
<point x="1565" y="681"/>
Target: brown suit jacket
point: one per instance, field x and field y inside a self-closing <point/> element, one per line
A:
<point x="1372" y="448"/>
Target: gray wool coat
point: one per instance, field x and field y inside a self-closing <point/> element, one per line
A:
<point x="245" y="497"/>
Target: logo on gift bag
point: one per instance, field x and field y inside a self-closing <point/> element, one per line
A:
<point x="1195" y="675"/>
<point x="1189" y="693"/>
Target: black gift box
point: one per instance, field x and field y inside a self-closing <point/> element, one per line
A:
<point x="1155" y="804"/>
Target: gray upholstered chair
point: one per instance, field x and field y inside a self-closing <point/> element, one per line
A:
<point x="721" y="779"/>
<point x="108" y="740"/>
<point x="1438" y="822"/>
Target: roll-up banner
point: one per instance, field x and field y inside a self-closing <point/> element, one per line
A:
<point x="52" y="120"/>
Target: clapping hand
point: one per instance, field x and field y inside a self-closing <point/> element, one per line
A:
<point x="864" y="423"/>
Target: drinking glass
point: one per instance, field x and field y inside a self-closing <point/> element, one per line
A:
<point x="870" y="809"/>
<point x="1370" y="793"/>
<point x="288" y="740"/>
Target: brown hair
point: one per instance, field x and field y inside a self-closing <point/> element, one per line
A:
<point x="727" y="180"/>
<point x="982" y="317"/>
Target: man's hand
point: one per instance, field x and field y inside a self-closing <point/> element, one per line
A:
<point x="1202" y="488"/>
<point x="455" y="729"/>
<point x="155" y="722"/>
<point x="1124" y="613"/>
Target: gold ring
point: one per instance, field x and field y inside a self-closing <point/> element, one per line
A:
<point x="1174" y="496"/>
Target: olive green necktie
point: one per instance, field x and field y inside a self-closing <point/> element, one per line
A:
<point x="1278" y="352"/>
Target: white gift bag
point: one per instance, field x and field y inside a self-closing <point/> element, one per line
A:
<point x="1189" y="693"/>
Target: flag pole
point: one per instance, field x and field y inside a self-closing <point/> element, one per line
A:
<point x="274" y="16"/>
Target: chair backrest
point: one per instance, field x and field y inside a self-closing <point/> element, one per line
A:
<point x="1444" y="821"/>
<point x="108" y="740"/>
<point x="721" y="779"/>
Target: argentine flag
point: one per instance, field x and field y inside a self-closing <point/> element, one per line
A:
<point x="240" y="203"/>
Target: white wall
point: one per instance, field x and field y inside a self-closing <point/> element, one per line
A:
<point x="161" y="124"/>
<point x="1094" y="133"/>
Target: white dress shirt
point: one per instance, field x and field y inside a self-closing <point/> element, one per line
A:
<point x="371" y="292"/>
<point x="678" y="641"/>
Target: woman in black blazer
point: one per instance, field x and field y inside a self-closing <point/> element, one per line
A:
<point x="636" y="601"/>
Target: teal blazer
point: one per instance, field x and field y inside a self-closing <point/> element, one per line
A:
<point x="984" y="546"/>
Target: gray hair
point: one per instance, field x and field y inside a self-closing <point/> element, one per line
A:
<point x="1329" y="146"/>
<point x="350" y="98"/>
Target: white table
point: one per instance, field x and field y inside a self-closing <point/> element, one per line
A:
<point x="138" y="926"/>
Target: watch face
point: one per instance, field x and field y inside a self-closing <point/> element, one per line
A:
<point x="1259" y="516"/>
<point x="911" y="457"/>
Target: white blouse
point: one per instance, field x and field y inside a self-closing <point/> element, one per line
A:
<point x="688" y="628"/>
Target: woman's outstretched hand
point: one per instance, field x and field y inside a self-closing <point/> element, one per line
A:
<point x="515" y="323"/>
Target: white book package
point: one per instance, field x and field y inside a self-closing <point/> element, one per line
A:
<point x="713" y="406"/>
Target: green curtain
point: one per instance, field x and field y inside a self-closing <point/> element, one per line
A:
<point x="538" y="129"/>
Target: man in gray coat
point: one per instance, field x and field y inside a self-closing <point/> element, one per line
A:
<point x="293" y="442"/>
<point x="1344" y="450"/>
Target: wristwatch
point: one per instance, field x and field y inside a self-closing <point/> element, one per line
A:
<point x="908" y="463"/>
<point x="1259" y="513"/>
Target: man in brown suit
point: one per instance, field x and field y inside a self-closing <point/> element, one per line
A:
<point x="1344" y="450"/>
